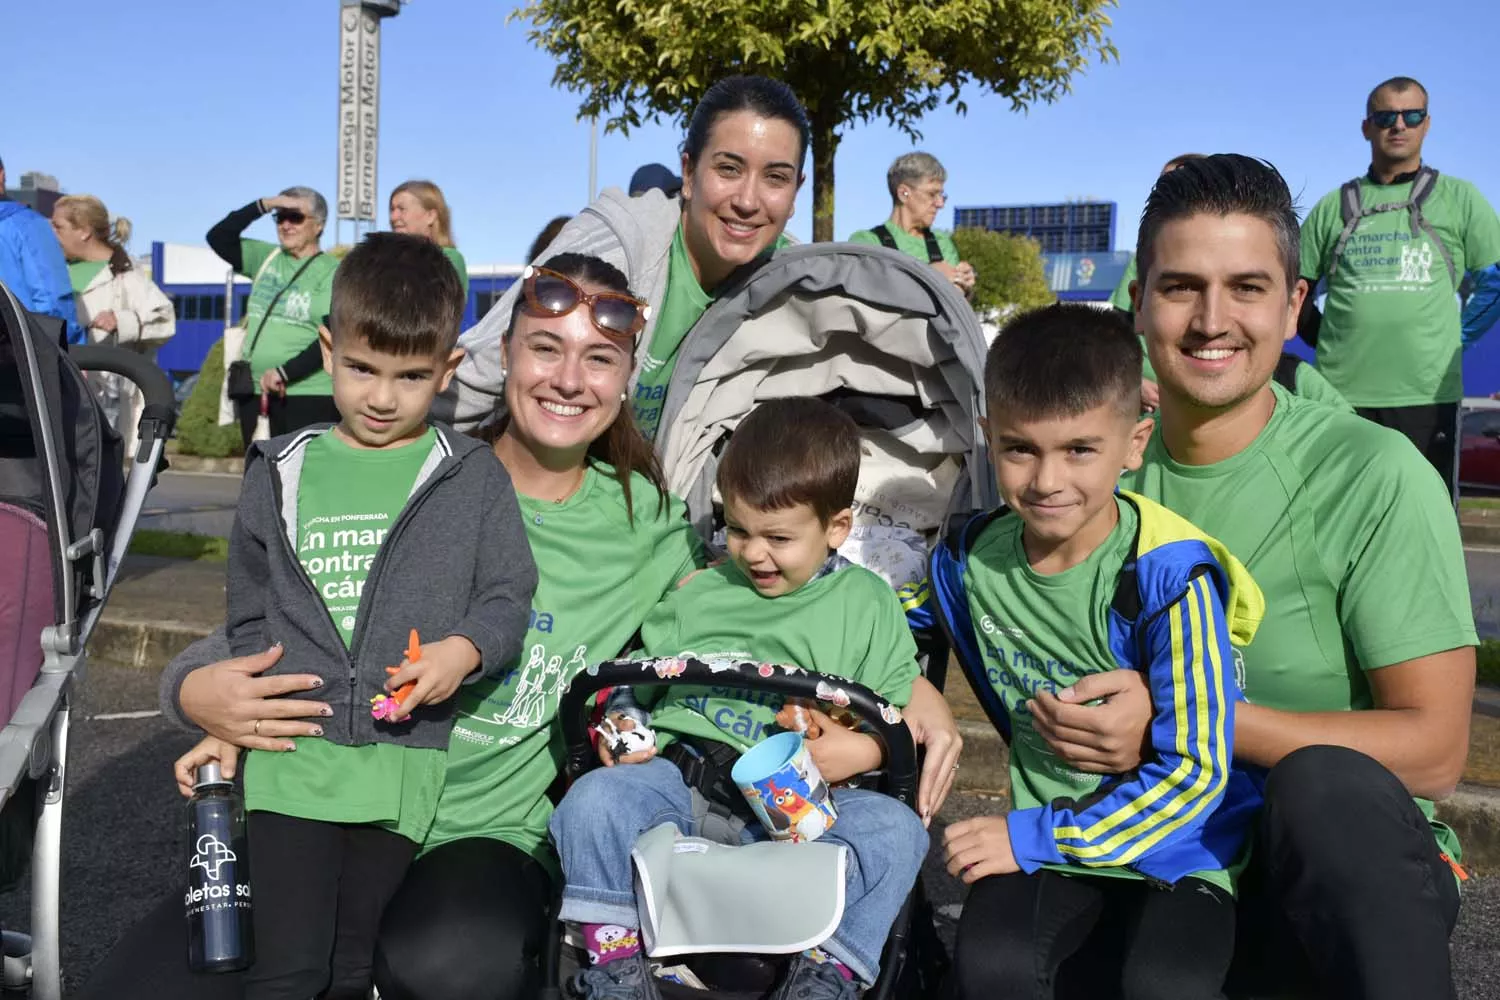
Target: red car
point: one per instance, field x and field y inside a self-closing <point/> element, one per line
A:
<point x="1479" y="451"/>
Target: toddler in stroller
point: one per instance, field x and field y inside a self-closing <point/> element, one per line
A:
<point x="787" y="478"/>
<point x="66" y="517"/>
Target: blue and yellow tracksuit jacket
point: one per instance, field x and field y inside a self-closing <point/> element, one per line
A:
<point x="1187" y="808"/>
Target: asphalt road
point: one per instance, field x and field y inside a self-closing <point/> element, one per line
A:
<point x="200" y="503"/>
<point x="123" y="826"/>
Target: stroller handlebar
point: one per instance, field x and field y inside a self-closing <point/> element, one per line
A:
<point x="791" y="681"/>
<point x="161" y="402"/>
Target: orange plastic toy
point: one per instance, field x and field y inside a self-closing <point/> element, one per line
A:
<point x="383" y="706"/>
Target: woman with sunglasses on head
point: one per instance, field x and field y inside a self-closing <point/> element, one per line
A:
<point x="290" y="284"/>
<point x="471" y="916"/>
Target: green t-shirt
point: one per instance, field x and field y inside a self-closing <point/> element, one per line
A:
<point x="911" y="244"/>
<point x="597" y="578"/>
<point x="848" y="622"/>
<point x="1120" y="299"/>
<point x="1351" y="536"/>
<point x="82" y="272"/>
<point x="347" y="499"/>
<point x="1391" y="333"/>
<point x="684" y="302"/>
<point x="1043" y="632"/>
<point x="457" y="260"/>
<point x="293" y="324"/>
<point x="1310" y="384"/>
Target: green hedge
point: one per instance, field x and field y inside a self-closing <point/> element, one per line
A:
<point x="1488" y="656"/>
<point x="198" y="430"/>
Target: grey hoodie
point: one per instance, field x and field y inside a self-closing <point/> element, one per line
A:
<point x="633" y="234"/>
<point x="455" y="562"/>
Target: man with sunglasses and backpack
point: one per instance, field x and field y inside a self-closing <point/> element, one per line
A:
<point x="1394" y="249"/>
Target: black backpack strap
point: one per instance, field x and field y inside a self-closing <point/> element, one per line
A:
<point x="1127" y="599"/>
<point x="934" y="252"/>
<point x="1286" y="371"/>
<point x="1351" y="210"/>
<point x="883" y="234"/>
<point x="1422" y="187"/>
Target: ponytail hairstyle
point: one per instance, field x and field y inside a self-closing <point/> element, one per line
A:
<point x="86" y="212"/>
<point x="622" y="445"/>
<point x="430" y="197"/>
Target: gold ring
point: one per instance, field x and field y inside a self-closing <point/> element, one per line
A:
<point x="257" y="728"/>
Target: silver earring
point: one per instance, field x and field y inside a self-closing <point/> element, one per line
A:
<point x="624" y="397"/>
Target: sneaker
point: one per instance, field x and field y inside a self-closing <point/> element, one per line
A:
<point x="623" y="979"/>
<point x="809" y="980"/>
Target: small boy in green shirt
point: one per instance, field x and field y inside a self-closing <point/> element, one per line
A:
<point x="785" y="596"/>
<point x="347" y="540"/>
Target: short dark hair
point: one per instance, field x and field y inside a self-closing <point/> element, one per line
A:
<point x="766" y="97"/>
<point x="792" y="451"/>
<point x="1399" y="84"/>
<point x="1179" y="160"/>
<point x="1223" y="184"/>
<point x="400" y="293"/>
<point x="1063" y="360"/>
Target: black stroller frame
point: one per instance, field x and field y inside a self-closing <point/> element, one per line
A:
<point x="899" y="777"/>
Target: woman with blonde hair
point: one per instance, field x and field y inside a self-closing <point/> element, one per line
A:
<point x="419" y="208"/>
<point x="118" y="303"/>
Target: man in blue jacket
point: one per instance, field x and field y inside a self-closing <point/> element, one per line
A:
<point x="32" y="264"/>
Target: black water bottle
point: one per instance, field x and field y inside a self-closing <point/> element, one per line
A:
<point x="220" y="938"/>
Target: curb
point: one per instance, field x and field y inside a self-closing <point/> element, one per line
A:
<point x="1474" y="813"/>
<point x="141" y="644"/>
<point x="1479" y="533"/>
<point x="197" y="463"/>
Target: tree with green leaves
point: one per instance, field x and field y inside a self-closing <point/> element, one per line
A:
<point x="849" y="61"/>
<point x="1008" y="271"/>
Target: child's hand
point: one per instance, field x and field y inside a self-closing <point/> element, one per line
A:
<point x="839" y="753"/>
<point x="978" y="847"/>
<point x="624" y="724"/>
<point x="439" y="672"/>
<point x="209" y="749"/>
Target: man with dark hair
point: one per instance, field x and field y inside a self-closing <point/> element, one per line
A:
<point x="1359" y="683"/>
<point x="1292" y="372"/>
<point x="32" y="264"/>
<point x="1394" y="247"/>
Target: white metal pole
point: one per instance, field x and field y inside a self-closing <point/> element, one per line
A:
<point x="593" y="159"/>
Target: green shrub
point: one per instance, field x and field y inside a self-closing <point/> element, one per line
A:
<point x="198" y="430"/>
<point x="1488" y="657"/>
<point x="1008" y="269"/>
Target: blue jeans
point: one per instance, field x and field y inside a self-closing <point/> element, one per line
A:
<point x="606" y="811"/>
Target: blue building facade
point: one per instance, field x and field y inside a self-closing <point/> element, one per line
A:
<point x="1069" y="227"/>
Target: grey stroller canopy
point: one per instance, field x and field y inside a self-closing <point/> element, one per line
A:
<point x="883" y="336"/>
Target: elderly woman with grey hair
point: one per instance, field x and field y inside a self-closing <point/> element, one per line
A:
<point x="290" y="284"/>
<point x="917" y="195"/>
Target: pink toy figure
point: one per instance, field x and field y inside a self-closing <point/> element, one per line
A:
<point x="384" y="707"/>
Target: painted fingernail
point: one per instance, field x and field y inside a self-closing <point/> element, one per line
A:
<point x="289" y="746"/>
<point x="317" y="682"/>
<point x="325" y="711"/>
<point x="317" y="730"/>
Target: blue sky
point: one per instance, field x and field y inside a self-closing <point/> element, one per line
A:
<point x="176" y="111"/>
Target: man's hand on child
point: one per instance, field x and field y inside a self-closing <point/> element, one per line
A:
<point x="438" y="674"/>
<point x="624" y="724"/>
<point x="840" y="753"/>
<point x="1108" y="737"/>
<point x="975" y="848"/>
<point x="208" y="750"/>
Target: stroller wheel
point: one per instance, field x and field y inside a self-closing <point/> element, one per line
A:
<point x="16" y="975"/>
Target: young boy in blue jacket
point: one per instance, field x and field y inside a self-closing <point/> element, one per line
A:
<point x="347" y="539"/>
<point x="1072" y="577"/>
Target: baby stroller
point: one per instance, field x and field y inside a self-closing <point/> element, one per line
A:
<point x="67" y="512"/>
<point x="891" y="342"/>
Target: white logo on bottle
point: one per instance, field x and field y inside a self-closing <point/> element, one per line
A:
<point x="212" y="854"/>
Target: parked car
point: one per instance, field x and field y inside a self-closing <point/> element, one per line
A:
<point x="1479" y="451"/>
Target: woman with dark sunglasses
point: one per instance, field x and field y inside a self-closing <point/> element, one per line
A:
<point x="742" y="165"/>
<point x="290" y="285"/>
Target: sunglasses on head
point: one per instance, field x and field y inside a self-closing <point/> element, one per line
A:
<point x="1387" y="119"/>
<point x="617" y="315"/>
<point x="291" y="215"/>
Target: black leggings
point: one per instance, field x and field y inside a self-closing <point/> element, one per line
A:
<point x="470" y="922"/>
<point x="1017" y="931"/>
<point x="285" y="414"/>
<point x="319" y="890"/>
